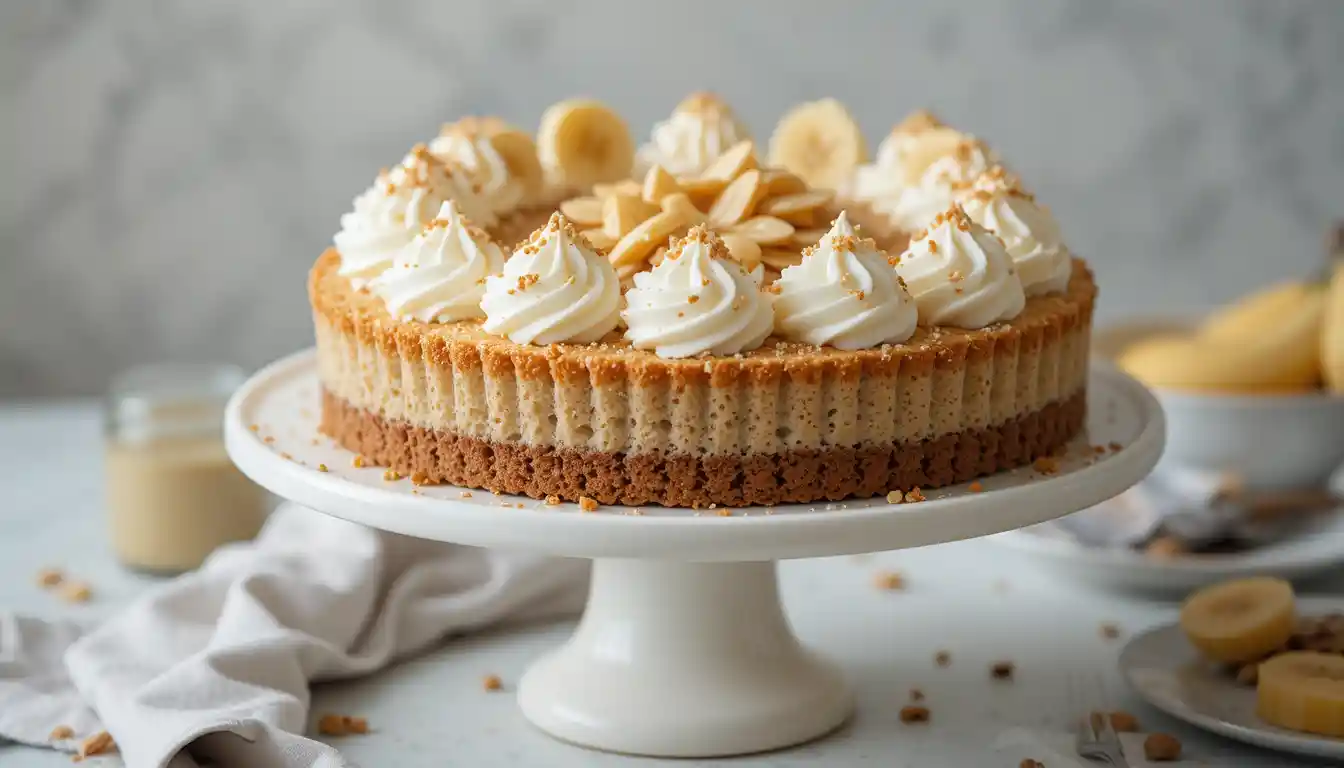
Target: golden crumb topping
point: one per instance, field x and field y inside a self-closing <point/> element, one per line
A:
<point x="704" y="236"/>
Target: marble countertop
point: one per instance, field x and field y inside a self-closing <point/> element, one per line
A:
<point x="976" y="601"/>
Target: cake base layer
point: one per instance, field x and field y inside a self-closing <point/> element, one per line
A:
<point x="832" y="474"/>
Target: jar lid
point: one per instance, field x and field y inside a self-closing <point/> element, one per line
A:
<point x="163" y="400"/>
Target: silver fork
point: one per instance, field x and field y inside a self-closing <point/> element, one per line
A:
<point x="1094" y="738"/>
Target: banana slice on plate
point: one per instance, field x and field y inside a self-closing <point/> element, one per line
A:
<point x="584" y="142"/>
<point x="1303" y="691"/>
<point x="1239" y="621"/>
<point x="820" y="142"/>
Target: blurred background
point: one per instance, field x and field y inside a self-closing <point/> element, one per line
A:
<point x="173" y="168"/>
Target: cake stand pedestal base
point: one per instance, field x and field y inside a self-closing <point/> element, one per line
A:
<point x="678" y="659"/>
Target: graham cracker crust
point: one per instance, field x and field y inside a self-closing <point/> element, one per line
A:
<point x="691" y="481"/>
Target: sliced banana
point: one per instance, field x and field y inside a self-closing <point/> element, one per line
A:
<point x="1302" y="691"/>
<point x="520" y="155"/>
<point x="820" y="142"/>
<point x="584" y="142"/>
<point x="1239" y="621"/>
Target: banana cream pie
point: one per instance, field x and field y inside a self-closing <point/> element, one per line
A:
<point x="713" y="331"/>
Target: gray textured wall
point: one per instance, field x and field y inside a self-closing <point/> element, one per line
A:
<point x="176" y="166"/>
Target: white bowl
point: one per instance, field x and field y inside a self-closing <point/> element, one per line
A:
<point x="1268" y="441"/>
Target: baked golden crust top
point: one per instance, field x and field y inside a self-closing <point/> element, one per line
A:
<point x="465" y="344"/>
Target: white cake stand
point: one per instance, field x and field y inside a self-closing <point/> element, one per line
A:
<point x="683" y="649"/>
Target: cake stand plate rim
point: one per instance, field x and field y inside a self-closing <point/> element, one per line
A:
<point x="270" y="434"/>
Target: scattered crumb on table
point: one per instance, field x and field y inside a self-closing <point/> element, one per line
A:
<point x="916" y="694"/>
<point x="942" y="658"/>
<point x="60" y="732"/>
<point x="1110" y="630"/>
<point x="342" y="725"/>
<point x="1002" y="670"/>
<point x="76" y="592"/>
<point x="1124" y="722"/>
<point x="1162" y="747"/>
<point x="889" y="581"/>
<point x="50" y="577"/>
<point x="914" y="714"/>
<point x="587" y="504"/>
<point x="492" y="683"/>
<point x="99" y="743"/>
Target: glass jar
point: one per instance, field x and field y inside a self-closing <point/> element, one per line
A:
<point x="173" y="496"/>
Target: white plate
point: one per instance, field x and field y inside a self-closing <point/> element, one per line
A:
<point x="1307" y="554"/>
<point x="1163" y="669"/>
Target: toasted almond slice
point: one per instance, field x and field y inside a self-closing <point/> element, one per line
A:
<point x="770" y="277"/>
<point x="583" y="211"/>
<point x="702" y="191"/>
<point x="626" y="187"/>
<point x="638" y="243"/>
<point x="781" y="182"/>
<point x="681" y="206"/>
<point x="745" y="251"/>
<point x="779" y="258"/>
<point x="626" y="273"/>
<point x="806" y="237"/>
<point x="802" y="219"/>
<point x="622" y="213"/>
<point x="737" y="200"/>
<point x="803" y="201"/>
<point x="599" y="238"/>
<point x="765" y="230"/>
<point x="658" y="183"/>
<point x="729" y="165"/>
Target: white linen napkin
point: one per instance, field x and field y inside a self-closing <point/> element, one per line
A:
<point x="217" y="663"/>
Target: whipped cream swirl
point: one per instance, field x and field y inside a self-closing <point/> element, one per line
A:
<point x="440" y="276"/>
<point x="395" y="209"/>
<point x="919" y="171"/>
<point x="555" y="288"/>
<point x="1030" y="233"/>
<point x="961" y="274"/>
<point x="697" y="301"/>
<point x="475" y="153"/>
<point x="845" y="293"/>
<point x="700" y="129"/>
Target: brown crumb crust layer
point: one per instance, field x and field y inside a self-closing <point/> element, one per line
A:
<point x="690" y="481"/>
